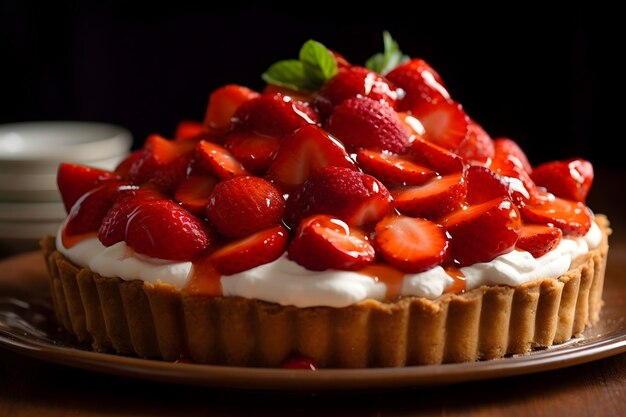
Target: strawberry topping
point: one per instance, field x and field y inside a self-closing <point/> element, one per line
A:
<point x="539" y="239"/>
<point x="74" y="180"/>
<point x="244" y="205"/>
<point x="411" y="244"/>
<point x="569" y="179"/>
<point x="325" y="242"/>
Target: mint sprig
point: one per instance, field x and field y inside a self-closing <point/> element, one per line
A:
<point x="315" y="66"/>
<point x="384" y="62"/>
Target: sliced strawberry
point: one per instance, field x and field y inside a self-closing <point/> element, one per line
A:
<point x="168" y="177"/>
<point x="218" y="160"/>
<point x="325" y="242"/>
<point x="87" y="213"/>
<point x="414" y="125"/>
<point x="244" y="205"/>
<point x="296" y="95"/>
<point x="507" y="151"/>
<point x="194" y="192"/>
<point x="124" y="167"/>
<point x="223" y="103"/>
<point x="274" y="115"/>
<point x="159" y="154"/>
<point x="482" y="232"/>
<point x="419" y="81"/>
<point x="361" y="122"/>
<point x="477" y="144"/>
<point x="114" y="224"/>
<point x="539" y="239"/>
<point x="165" y="230"/>
<point x="300" y="362"/>
<point x="249" y="252"/>
<point x="521" y="187"/>
<point x="483" y="185"/>
<point x="569" y="179"/>
<point x="392" y="169"/>
<point x="352" y="82"/>
<point x="445" y="121"/>
<point x="74" y="180"/>
<point x="435" y="157"/>
<point x="438" y="197"/>
<point x="411" y="244"/>
<point x="304" y="151"/>
<point x="255" y="152"/>
<point x="572" y="217"/>
<point x="352" y="196"/>
<point x="189" y="129"/>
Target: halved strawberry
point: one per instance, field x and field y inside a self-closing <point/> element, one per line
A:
<point x="361" y="122"/>
<point x="326" y="242"/>
<point x="445" y="121"/>
<point x="114" y="224"/>
<point x="304" y="151"/>
<point x="477" y="145"/>
<point x="351" y="196"/>
<point x="194" y="192"/>
<point x="74" y="180"/>
<point x="415" y="126"/>
<point x="572" y="217"/>
<point x="435" y="157"/>
<point x="482" y="232"/>
<point x="420" y="82"/>
<point x="507" y="151"/>
<point x="521" y="187"/>
<point x="189" y="129"/>
<point x="87" y="213"/>
<point x="263" y="247"/>
<point x="123" y="168"/>
<point x="274" y="115"/>
<point x="438" y="197"/>
<point x="223" y="103"/>
<point x="539" y="239"/>
<point x="165" y="230"/>
<point x="244" y="205"/>
<point x="570" y="179"/>
<point x="168" y="177"/>
<point x="158" y="154"/>
<point x="218" y="160"/>
<point x="352" y="82"/>
<point x="254" y="151"/>
<point x="411" y="244"/>
<point x="483" y="185"/>
<point x="392" y="169"/>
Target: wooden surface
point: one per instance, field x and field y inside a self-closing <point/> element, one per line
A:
<point x="30" y="387"/>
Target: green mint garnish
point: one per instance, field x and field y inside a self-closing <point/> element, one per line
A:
<point x="315" y="66"/>
<point x="383" y="62"/>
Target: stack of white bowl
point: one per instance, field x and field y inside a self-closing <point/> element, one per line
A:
<point x="30" y="153"/>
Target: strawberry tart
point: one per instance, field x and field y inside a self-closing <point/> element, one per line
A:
<point x="347" y="216"/>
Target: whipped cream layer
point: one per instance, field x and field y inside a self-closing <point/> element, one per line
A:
<point x="287" y="283"/>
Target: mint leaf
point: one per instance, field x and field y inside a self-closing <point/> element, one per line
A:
<point x="392" y="56"/>
<point x="315" y="66"/>
<point x="319" y="63"/>
<point x="288" y="73"/>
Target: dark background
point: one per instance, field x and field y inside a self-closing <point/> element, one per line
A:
<point x="521" y="71"/>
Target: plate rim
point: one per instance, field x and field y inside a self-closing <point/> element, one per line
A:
<point x="573" y="352"/>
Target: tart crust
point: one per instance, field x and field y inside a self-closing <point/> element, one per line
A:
<point x="161" y="322"/>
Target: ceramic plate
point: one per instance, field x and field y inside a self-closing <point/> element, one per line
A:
<point x="27" y="326"/>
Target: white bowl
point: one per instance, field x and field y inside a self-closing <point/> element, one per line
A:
<point x="22" y="186"/>
<point x="28" y="230"/>
<point x="38" y="147"/>
<point x="32" y="212"/>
